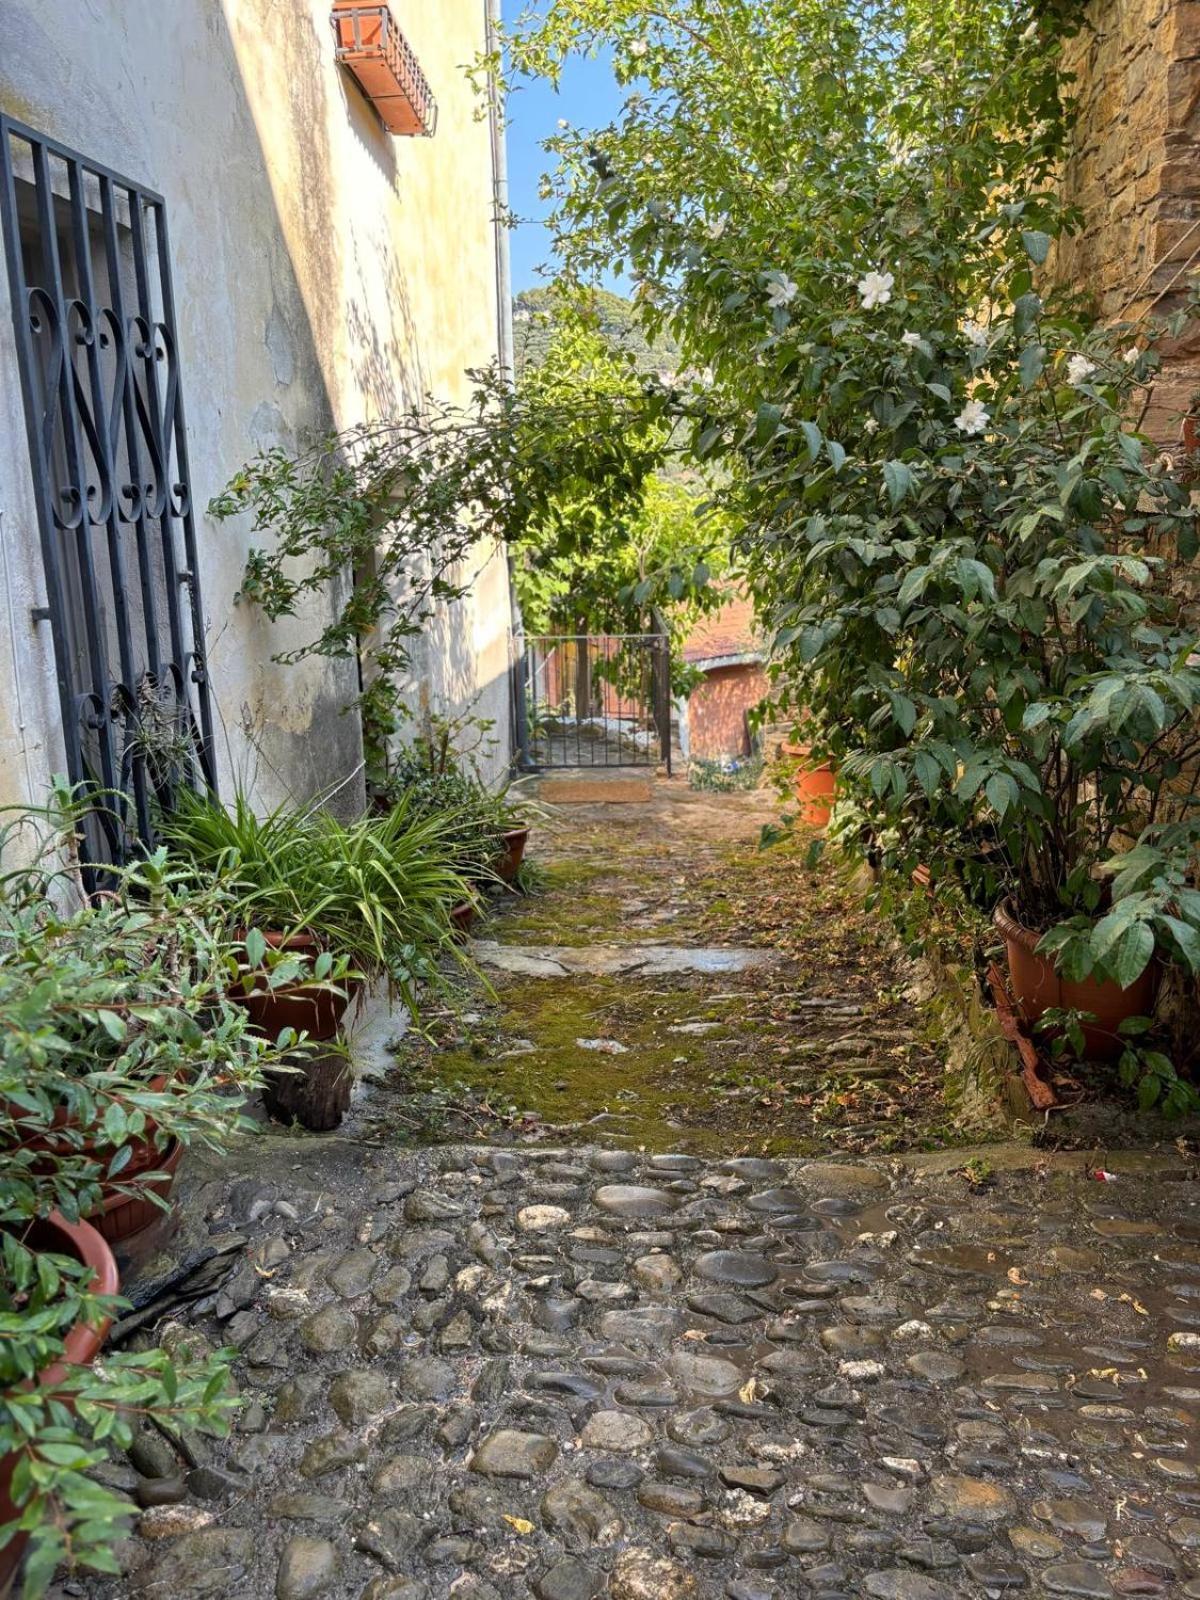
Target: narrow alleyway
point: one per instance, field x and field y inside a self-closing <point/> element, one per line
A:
<point x="670" y="984"/>
<point x="611" y="1349"/>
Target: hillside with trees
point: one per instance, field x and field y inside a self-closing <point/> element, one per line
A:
<point x="537" y="314"/>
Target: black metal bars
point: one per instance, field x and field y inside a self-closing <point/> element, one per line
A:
<point x="89" y="272"/>
<point x="596" y="700"/>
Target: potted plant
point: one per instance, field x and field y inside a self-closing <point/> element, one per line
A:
<point x="58" y="1414"/>
<point x="325" y="902"/>
<point x="436" y="776"/>
<point x="127" y="999"/>
<point x="116" y="1032"/>
<point x="814" y="782"/>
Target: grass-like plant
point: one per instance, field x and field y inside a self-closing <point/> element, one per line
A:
<point x="376" y="891"/>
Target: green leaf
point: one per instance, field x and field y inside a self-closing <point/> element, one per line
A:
<point x="1001" y="792"/>
<point x="905" y="713"/>
<point x="1037" y="245"/>
<point x="766" y="422"/>
<point x="929" y="773"/>
<point x="112" y="1024"/>
<point x="1132" y="955"/>
<point x="256" y="947"/>
<point x="899" y="481"/>
<point x="1033" y="358"/>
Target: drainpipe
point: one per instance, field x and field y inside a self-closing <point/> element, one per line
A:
<point x="519" y="737"/>
<point x="504" y="324"/>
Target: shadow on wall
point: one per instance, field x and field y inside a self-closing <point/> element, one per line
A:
<point x="344" y="347"/>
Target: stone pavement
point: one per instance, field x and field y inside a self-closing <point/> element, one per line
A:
<point x="565" y="1374"/>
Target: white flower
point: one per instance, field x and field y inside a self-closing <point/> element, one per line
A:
<point x="1131" y="355"/>
<point x="717" y="227"/>
<point x="638" y="47"/>
<point x="876" y="289"/>
<point x="870" y="425"/>
<point x="975" y="333"/>
<point x="780" y="186"/>
<point x="563" y="123"/>
<point x="973" y="418"/>
<point x="912" y="340"/>
<point x="781" y="292"/>
<point x="1079" y="369"/>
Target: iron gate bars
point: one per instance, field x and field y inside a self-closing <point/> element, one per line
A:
<point x="93" y="309"/>
<point x="596" y="700"/>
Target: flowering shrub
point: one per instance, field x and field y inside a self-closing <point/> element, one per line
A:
<point x="965" y="547"/>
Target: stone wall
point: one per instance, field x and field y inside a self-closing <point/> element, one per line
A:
<point x="1134" y="171"/>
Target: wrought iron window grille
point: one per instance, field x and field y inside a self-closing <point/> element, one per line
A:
<point x="88" y="258"/>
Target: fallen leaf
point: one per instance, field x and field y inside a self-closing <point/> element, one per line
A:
<point x="519" y="1523"/>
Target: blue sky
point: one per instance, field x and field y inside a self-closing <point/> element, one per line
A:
<point x="588" y="97"/>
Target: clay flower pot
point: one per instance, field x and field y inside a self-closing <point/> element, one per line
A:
<point x="1039" y="987"/>
<point x="124" y="1216"/>
<point x="815" y="786"/>
<point x="54" y="1234"/>
<point x="308" y="1008"/>
<point x="508" y="863"/>
<point x="463" y="918"/>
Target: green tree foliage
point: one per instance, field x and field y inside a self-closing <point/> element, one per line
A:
<point x="596" y="567"/>
<point x="538" y="314"/>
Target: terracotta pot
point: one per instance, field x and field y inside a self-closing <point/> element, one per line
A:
<point x="1038" y="987"/>
<point x="815" y="787"/>
<point x="123" y="1216"/>
<point x="55" y="1234"/>
<point x="463" y="918"/>
<point x="508" y="864"/>
<point x="144" y="1149"/>
<point x="307" y="1008"/>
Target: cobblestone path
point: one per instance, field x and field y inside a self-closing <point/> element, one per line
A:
<point x="575" y="1373"/>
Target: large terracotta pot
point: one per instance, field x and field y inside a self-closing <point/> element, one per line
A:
<point x="308" y="1008"/>
<point x="1039" y="987"/>
<point x="508" y="864"/>
<point x="78" y="1239"/>
<point x="815" y="786"/>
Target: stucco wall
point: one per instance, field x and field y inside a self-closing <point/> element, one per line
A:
<point x="717" y="710"/>
<point x="324" y="272"/>
<point x="1134" y="170"/>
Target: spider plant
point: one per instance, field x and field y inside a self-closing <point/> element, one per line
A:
<point x="376" y="891"/>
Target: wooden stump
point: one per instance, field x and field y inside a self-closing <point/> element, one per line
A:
<point x="316" y="1095"/>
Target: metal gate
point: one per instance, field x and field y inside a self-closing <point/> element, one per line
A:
<point x="595" y="700"/>
<point x="89" y="271"/>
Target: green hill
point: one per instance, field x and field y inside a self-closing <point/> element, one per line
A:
<point x="534" y="311"/>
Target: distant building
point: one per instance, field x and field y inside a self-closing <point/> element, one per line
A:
<point x="714" y="722"/>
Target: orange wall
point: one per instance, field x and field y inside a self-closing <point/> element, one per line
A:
<point x="717" y="711"/>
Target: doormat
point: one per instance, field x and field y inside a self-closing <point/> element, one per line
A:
<point x="594" y="791"/>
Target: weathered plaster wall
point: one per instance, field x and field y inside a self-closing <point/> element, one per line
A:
<point x="324" y="272"/>
<point x="1135" y="172"/>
